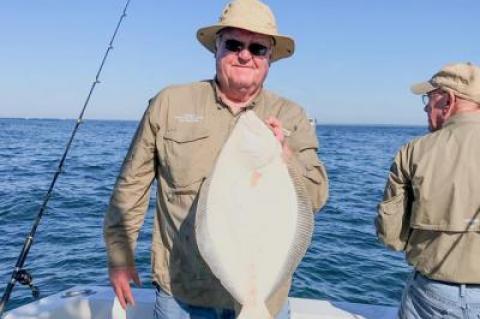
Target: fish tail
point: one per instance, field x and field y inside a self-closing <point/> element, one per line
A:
<point x="255" y="311"/>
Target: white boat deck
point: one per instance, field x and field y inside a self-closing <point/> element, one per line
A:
<point x="101" y="304"/>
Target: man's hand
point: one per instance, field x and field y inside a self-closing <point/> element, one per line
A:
<point x="279" y="132"/>
<point x="120" y="279"/>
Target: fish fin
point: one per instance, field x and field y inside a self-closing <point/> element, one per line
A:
<point x="258" y="311"/>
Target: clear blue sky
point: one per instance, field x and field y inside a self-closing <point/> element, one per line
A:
<point x="354" y="63"/>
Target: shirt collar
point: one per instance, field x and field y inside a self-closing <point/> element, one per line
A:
<point x="257" y="101"/>
<point x="463" y="117"/>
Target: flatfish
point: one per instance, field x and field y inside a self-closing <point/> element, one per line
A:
<point x="254" y="221"/>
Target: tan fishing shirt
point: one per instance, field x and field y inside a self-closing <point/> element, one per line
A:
<point x="177" y="143"/>
<point x="431" y="206"/>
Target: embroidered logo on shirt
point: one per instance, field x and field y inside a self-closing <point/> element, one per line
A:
<point x="189" y="118"/>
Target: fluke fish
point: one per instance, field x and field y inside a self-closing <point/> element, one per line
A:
<point x="254" y="221"/>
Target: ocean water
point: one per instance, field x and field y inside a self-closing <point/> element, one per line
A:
<point x="344" y="263"/>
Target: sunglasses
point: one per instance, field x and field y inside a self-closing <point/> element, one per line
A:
<point x="255" y="49"/>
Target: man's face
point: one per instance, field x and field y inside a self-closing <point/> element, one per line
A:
<point x="435" y="109"/>
<point x="242" y="64"/>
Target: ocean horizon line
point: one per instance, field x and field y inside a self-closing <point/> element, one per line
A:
<point x="319" y="122"/>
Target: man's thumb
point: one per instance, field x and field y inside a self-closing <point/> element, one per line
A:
<point x="135" y="278"/>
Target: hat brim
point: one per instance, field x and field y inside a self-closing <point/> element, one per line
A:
<point x="284" y="46"/>
<point x="422" y="88"/>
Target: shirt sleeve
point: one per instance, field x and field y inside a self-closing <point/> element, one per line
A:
<point x="304" y="145"/>
<point x="130" y="197"/>
<point x="393" y="215"/>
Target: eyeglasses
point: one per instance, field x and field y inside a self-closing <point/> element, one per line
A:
<point x="426" y="97"/>
<point x="255" y="49"/>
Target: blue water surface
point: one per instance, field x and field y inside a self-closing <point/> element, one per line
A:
<point x="344" y="263"/>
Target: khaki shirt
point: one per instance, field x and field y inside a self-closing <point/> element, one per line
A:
<point x="431" y="206"/>
<point x="177" y="143"/>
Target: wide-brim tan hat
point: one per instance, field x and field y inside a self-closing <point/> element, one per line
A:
<point x="463" y="79"/>
<point x="253" y="16"/>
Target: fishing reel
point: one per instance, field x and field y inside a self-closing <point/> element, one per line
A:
<point x="24" y="277"/>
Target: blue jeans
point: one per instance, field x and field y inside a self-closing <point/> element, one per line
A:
<point x="167" y="307"/>
<point x="425" y="298"/>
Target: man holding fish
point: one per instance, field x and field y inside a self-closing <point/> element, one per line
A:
<point x="184" y="129"/>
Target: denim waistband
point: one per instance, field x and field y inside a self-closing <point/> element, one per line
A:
<point x="417" y="276"/>
<point x="455" y="292"/>
<point x="450" y="289"/>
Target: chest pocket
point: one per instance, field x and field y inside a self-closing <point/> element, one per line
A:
<point x="187" y="155"/>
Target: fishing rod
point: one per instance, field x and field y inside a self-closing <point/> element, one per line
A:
<point x="20" y="274"/>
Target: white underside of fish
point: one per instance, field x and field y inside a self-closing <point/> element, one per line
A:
<point x="254" y="222"/>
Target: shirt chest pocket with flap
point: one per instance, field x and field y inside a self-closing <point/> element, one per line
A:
<point x="187" y="155"/>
